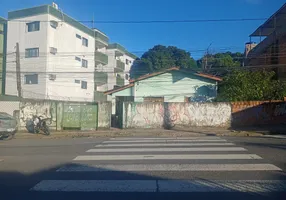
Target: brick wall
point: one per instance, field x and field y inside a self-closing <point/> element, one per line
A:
<point x="252" y="113"/>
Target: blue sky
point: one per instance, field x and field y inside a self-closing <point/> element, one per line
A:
<point x="194" y="37"/>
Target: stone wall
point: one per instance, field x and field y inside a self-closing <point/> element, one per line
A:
<point x="168" y="115"/>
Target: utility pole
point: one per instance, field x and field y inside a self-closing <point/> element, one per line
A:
<point x="18" y="71"/>
<point x="205" y="61"/>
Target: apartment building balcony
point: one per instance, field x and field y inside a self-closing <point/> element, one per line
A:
<point x="100" y="78"/>
<point x="268" y="41"/>
<point x="101" y="40"/>
<point x="119" y="50"/>
<point x="100" y="58"/>
<point x="119" y="81"/>
<point x="120" y="66"/>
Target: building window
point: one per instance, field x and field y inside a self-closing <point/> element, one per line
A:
<point x="84" y="63"/>
<point x="32" y="52"/>
<point x="153" y="99"/>
<point x="77" y="81"/>
<point x="33" y="26"/>
<point x="31" y="79"/>
<point x="54" y="24"/>
<point x="85" y="42"/>
<point x="127" y="62"/>
<point x="83" y="85"/>
<point x="77" y="58"/>
<point x="78" y="36"/>
<point x="53" y="50"/>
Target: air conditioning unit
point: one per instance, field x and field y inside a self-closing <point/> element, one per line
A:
<point x="55" y="5"/>
<point x="54" y="24"/>
<point x="52" y="77"/>
<point x="53" y="50"/>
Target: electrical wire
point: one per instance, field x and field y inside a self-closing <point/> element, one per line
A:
<point x="149" y="21"/>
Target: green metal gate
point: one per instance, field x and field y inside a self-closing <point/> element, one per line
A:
<point x="80" y="116"/>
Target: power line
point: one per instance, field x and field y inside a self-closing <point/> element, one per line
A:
<point x="151" y="21"/>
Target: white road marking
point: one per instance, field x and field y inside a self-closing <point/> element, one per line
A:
<point x="96" y="186"/>
<point x="252" y="186"/>
<point x="170" y="167"/>
<point x="164" y="145"/>
<point x="166" y="141"/>
<point x="170" y="157"/>
<point x="166" y="149"/>
<point x="164" y="138"/>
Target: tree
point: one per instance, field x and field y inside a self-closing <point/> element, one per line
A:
<point x="161" y="57"/>
<point x="242" y="85"/>
<point x="220" y="60"/>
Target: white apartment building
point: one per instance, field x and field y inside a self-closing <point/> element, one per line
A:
<point x="60" y="58"/>
<point x="119" y="62"/>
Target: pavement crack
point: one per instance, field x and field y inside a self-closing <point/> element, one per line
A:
<point x="157" y="186"/>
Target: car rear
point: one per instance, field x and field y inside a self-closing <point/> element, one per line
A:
<point x="7" y="123"/>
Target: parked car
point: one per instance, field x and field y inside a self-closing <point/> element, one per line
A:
<point x="8" y="126"/>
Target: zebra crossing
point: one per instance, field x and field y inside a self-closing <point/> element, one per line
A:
<point x="149" y="158"/>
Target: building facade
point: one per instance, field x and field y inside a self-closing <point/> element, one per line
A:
<point x="119" y="62"/>
<point x="171" y="85"/>
<point x="270" y="52"/>
<point x="3" y="48"/>
<point x="60" y="58"/>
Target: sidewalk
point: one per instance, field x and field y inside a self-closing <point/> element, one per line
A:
<point x="175" y="132"/>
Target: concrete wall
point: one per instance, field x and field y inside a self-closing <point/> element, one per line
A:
<point x="156" y="115"/>
<point x="104" y="115"/>
<point x="46" y="109"/>
<point x="53" y="110"/>
<point x="9" y="106"/>
<point x="255" y="113"/>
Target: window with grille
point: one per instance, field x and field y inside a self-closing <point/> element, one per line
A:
<point x="32" y="52"/>
<point x="83" y="85"/>
<point x="85" y="42"/>
<point x="77" y="81"/>
<point x="31" y="79"/>
<point x="33" y="26"/>
<point x="77" y="58"/>
<point x="84" y="63"/>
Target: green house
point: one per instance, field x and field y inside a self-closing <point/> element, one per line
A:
<point x="3" y="44"/>
<point x="171" y="85"/>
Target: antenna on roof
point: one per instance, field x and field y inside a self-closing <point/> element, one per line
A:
<point x="55" y="5"/>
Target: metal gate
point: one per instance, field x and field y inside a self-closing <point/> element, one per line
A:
<point x="80" y="116"/>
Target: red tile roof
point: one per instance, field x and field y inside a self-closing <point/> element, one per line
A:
<point x="208" y="76"/>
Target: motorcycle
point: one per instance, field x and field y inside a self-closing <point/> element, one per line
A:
<point x="37" y="124"/>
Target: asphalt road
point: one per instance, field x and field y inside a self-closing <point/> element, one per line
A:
<point x="141" y="168"/>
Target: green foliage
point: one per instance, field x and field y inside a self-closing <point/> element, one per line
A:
<point x="251" y="86"/>
<point x="226" y="59"/>
<point x="161" y="57"/>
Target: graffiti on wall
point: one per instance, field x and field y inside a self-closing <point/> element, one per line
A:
<point x="168" y="115"/>
<point x="45" y="109"/>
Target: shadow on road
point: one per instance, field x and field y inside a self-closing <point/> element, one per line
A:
<point x="16" y="185"/>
